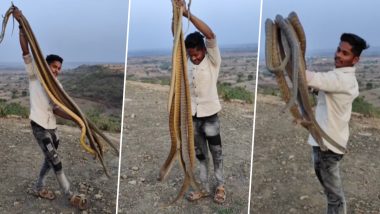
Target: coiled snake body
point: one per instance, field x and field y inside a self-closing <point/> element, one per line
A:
<point x="179" y="107"/>
<point x="285" y="54"/>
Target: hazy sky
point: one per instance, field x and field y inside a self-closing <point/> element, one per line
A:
<point x="233" y="22"/>
<point x="325" y="20"/>
<point x="84" y="31"/>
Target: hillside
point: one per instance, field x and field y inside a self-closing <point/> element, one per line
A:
<point x="283" y="175"/>
<point x="100" y="83"/>
<point x="146" y="144"/>
<point x="21" y="158"/>
<point x="97" y="89"/>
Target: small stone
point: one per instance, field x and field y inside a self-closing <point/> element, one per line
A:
<point x="57" y="192"/>
<point x="90" y="189"/>
<point x="291" y="157"/>
<point x="283" y="162"/>
<point x="16" y="203"/>
<point x="84" y="212"/>
<point x="133" y="182"/>
<point x="124" y="176"/>
<point x="135" y="168"/>
<point x="365" y="134"/>
<point x="82" y="187"/>
<point x="98" y="196"/>
<point x="133" y="115"/>
<point x="304" y="197"/>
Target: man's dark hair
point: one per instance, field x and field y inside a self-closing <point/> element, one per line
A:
<point x="358" y="44"/>
<point x="195" y="40"/>
<point x="52" y="57"/>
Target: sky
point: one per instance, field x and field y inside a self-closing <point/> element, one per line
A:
<point x="233" y="22"/>
<point x="89" y="31"/>
<point x="325" y="20"/>
<point x="95" y="31"/>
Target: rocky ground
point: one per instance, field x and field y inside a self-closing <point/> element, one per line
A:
<point x="20" y="160"/>
<point x="283" y="176"/>
<point x="146" y="145"/>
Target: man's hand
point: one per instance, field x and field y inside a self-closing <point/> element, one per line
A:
<point x="17" y="14"/>
<point x="182" y="4"/>
<point x="58" y="111"/>
<point x="199" y="24"/>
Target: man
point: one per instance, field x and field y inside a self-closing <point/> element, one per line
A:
<point x="337" y="90"/>
<point x="43" y="122"/>
<point x="204" y="64"/>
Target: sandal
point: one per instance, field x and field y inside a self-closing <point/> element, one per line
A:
<point x="220" y="194"/>
<point x="79" y="201"/>
<point x="194" y="196"/>
<point x="44" y="193"/>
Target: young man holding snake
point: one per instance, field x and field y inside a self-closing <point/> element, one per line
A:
<point x="337" y="90"/>
<point x="43" y="123"/>
<point x="203" y="70"/>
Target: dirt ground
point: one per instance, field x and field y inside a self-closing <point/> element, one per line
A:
<point x="21" y="157"/>
<point x="146" y="145"/>
<point x="283" y="176"/>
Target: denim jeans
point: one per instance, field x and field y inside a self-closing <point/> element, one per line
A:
<point x="207" y="137"/>
<point x="326" y="166"/>
<point x="48" y="140"/>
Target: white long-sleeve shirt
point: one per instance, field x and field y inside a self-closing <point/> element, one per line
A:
<point x="337" y="90"/>
<point x="203" y="82"/>
<point x="41" y="108"/>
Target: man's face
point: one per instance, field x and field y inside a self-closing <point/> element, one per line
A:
<point x="55" y="68"/>
<point x="344" y="56"/>
<point x="196" y="55"/>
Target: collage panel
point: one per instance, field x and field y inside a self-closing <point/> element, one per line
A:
<point x="61" y="92"/>
<point x="222" y="74"/>
<point x="292" y="171"/>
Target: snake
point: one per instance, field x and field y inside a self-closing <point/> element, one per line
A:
<point x="179" y="108"/>
<point x="60" y="98"/>
<point x="285" y="47"/>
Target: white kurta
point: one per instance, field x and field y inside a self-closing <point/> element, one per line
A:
<point x="41" y="108"/>
<point x="203" y="82"/>
<point x="337" y="90"/>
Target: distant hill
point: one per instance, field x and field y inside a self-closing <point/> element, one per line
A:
<point x="98" y="83"/>
<point x="67" y="65"/>
<point x="166" y="52"/>
<point x="11" y="67"/>
<point x="372" y="51"/>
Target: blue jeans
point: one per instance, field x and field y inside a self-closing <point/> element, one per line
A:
<point x="207" y="137"/>
<point x="326" y="166"/>
<point x="48" y="140"/>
